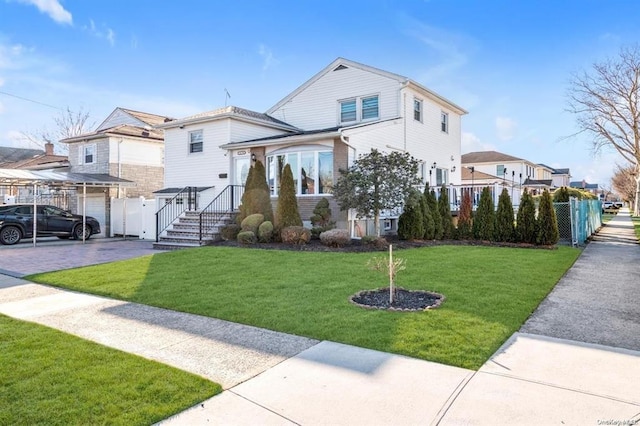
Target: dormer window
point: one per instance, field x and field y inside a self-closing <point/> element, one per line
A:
<point x="359" y="109"/>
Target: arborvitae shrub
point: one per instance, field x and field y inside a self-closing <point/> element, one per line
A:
<point x="427" y="219"/>
<point x="410" y="222"/>
<point x="526" y="219"/>
<point x="435" y="212"/>
<point x="505" y="228"/>
<point x="287" y="210"/>
<point x="485" y="218"/>
<point x="256" y="197"/>
<point x="465" y="219"/>
<point x="547" y="223"/>
<point x="445" y="213"/>
<point x="246" y="199"/>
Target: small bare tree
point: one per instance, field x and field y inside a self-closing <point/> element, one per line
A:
<point x="624" y="183"/>
<point x="606" y="101"/>
<point x="67" y="124"/>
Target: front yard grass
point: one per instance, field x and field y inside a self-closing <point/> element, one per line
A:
<point x="49" y="377"/>
<point x="490" y="292"/>
<point x="636" y="225"/>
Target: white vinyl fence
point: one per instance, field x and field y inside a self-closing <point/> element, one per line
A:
<point x="133" y="217"/>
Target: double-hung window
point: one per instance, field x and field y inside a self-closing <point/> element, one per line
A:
<point x="87" y="154"/>
<point x="444" y="122"/>
<point x="417" y="109"/>
<point x="370" y="108"/>
<point x="348" y="111"/>
<point x="195" y="141"/>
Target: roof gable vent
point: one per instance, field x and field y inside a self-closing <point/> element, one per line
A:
<point x="340" y="67"/>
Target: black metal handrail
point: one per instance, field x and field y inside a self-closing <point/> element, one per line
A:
<point x="225" y="203"/>
<point x="184" y="200"/>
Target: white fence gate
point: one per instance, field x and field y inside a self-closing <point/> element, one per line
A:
<point x="133" y="216"/>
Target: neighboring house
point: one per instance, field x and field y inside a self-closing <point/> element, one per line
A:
<point x="559" y="177"/>
<point x="514" y="171"/>
<point x="126" y="145"/>
<point x="10" y="154"/>
<point x="342" y="112"/>
<point x="593" y="188"/>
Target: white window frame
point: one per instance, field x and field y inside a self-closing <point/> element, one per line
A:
<point x="297" y="174"/>
<point x="83" y="154"/>
<point x="192" y="143"/>
<point x="444" y="176"/>
<point x="359" y="113"/>
<point x="444" y="122"/>
<point x="419" y="110"/>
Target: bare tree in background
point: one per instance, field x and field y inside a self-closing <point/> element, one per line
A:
<point x="67" y="124"/>
<point x="606" y="101"/>
<point x="624" y="183"/>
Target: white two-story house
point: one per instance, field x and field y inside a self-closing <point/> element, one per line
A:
<point x="342" y="112"/>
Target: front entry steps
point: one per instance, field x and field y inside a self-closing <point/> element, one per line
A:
<point x="185" y="232"/>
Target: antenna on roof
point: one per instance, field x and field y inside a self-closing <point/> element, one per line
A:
<point x="227" y="97"/>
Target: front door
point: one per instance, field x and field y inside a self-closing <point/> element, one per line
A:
<point x="241" y="170"/>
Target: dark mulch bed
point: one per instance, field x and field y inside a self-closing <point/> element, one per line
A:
<point x="357" y="246"/>
<point x="405" y="300"/>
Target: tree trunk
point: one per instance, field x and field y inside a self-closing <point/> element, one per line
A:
<point x="376" y="224"/>
<point x="636" y="201"/>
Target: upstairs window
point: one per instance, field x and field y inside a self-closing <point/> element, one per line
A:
<point x="417" y="109"/>
<point x="195" y="141"/>
<point x="370" y="108"/>
<point x="359" y="109"/>
<point x="500" y="169"/>
<point x="348" y="111"/>
<point x="444" y="122"/>
<point x="88" y="154"/>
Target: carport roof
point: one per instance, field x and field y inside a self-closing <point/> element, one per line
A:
<point x="51" y="177"/>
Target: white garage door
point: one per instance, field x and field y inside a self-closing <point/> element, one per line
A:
<point x="95" y="208"/>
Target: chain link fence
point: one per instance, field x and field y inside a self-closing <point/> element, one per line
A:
<point x="578" y="220"/>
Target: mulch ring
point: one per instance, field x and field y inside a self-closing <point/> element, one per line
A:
<point x="404" y="301"/>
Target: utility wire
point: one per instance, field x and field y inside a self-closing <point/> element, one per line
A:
<point x="28" y="100"/>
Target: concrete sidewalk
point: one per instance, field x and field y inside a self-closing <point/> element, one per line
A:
<point x="275" y="378"/>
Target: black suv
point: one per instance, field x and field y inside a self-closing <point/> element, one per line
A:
<point x="16" y="222"/>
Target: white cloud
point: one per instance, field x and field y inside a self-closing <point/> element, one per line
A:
<point x="105" y="32"/>
<point x="53" y="9"/>
<point x="472" y="143"/>
<point x="268" y="60"/>
<point x="505" y="128"/>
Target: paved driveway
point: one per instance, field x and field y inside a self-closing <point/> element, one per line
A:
<point x="53" y="254"/>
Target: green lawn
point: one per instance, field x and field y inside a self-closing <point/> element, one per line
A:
<point x="636" y="225"/>
<point x="490" y="292"/>
<point x="49" y="377"/>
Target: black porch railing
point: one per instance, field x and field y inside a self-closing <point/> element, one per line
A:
<point x="226" y="203"/>
<point x="186" y="199"/>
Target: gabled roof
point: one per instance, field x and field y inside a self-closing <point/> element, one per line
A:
<point x="555" y="171"/>
<point x="123" y="116"/>
<point x="9" y="154"/>
<point x="541" y="183"/>
<point x="342" y="63"/>
<point x="230" y="112"/>
<point x="487" y="157"/>
<point x="123" y="130"/>
<point x="476" y="175"/>
<point x="42" y="161"/>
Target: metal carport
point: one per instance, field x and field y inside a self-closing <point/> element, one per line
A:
<point x="56" y="179"/>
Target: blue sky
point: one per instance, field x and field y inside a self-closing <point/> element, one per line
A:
<point x="507" y="62"/>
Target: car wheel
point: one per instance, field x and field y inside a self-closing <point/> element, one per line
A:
<point x="77" y="232"/>
<point x="10" y="235"/>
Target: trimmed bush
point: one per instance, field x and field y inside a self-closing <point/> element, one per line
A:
<point x="287" y="209"/>
<point x="230" y="232"/>
<point x="247" y="237"/>
<point x="526" y="220"/>
<point x="547" y="223"/>
<point x="295" y="235"/>
<point x="485" y="218"/>
<point x="427" y="219"/>
<point x="256" y="197"/>
<point x="445" y="213"/>
<point x="377" y="242"/>
<point x="335" y="238"/>
<point x="252" y="222"/>
<point x="432" y="201"/>
<point x="411" y="221"/>
<point x="321" y="218"/>
<point x="465" y="217"/>
<point x="505" y="227"/>
<point x="265" y="232"/>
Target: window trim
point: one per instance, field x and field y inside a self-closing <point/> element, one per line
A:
<point x="271" y="159"/>
<point x="444" y="122"/>
<point x="191" y="143"/>
<point x="359" y="108"/>
<point x="343" y="102"/>
<point x="83" y="154"/>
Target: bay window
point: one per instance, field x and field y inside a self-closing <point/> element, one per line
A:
<point x="312" y="171"/>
